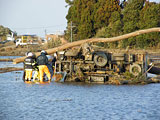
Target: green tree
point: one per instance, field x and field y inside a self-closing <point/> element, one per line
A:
<point x="104" y="9"/>
<point x="131" y="16"/>
<point x="69" y="2"/>
<point x="112" y="30"/>
<point x="81" y="15"/>
<point x="89" y="16"/>
<point x="149" y="17"/>
<point x="85" y="28"/>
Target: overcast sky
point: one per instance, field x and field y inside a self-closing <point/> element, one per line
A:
<point x="34" y="16"/>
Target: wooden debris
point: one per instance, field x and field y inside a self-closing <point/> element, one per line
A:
<point x="10" y="69"/>
<point x="6" y="60"/>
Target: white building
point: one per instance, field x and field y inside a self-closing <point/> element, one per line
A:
<point x="10" y="37"/>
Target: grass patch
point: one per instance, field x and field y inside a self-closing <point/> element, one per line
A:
<point x="128" y="75"/>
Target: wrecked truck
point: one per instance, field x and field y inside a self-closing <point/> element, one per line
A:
<point x="86" y="64"/>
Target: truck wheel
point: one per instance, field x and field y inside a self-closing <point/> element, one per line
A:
<point x="100" y="59"/>
<point x="135" y="69"/>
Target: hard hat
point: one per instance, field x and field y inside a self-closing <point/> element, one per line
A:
<point x="55" y="55"/>
<point x="43" y="51"/>
<point x="30" y="54"/>
<point x="27" y="53"/>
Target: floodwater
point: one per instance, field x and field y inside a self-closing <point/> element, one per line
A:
<point x="75" y="101"/>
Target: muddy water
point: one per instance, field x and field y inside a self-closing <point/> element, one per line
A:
<point x="75" y="101"/>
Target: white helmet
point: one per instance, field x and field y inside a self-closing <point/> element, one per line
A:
<point x="55" y="55"/>
<point x="30" y="54"/>
<point x="27" y="53"/>
<point x="43" y="51"/>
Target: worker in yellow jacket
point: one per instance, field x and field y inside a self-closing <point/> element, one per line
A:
<point x="42" y="62"/>
<point x="29" y="62"/>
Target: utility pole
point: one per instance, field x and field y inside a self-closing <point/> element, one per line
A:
<point x="45" y="36"/>
<point x="45" y="31"/>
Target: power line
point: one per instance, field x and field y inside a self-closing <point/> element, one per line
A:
<point x="41" y="27"/>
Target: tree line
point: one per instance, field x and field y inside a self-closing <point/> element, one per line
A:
<point x="110" y="18"/>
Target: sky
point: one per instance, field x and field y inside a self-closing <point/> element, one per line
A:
<point x="35" y="16"/>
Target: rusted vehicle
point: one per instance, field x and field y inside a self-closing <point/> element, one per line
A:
<point x="85" y="64"/>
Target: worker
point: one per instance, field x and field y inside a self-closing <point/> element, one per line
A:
<point x="36" y="72"/>
<point x="29" y="62"/>
<point x="42" y="62"/>
<point x="54" y="60"/>
<point x="24" y="73"/>
<point x="51" y="63"/>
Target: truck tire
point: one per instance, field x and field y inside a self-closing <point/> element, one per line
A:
<point x="135" y="69"/>
<point x="100" y="59"/>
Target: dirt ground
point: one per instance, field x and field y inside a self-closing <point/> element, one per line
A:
<point x="10" y="49"/>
